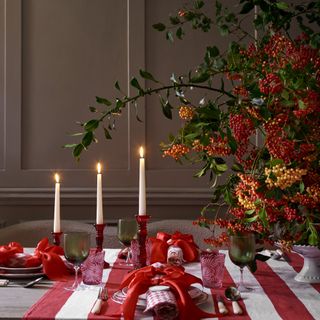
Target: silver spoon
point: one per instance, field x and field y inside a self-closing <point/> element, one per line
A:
<point x="233" y="294"/>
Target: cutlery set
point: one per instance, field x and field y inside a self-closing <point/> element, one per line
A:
<point x="233" y="295"/>
<point x="102" y="296"/>
<point x="25" y="284"/>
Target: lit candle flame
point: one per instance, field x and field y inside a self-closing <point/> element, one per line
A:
<point x="57" y="178"/>
<point x="141" y="152"/>
<point x="99" y="167"/>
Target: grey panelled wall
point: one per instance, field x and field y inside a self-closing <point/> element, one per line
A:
<point x="56" y="56"/>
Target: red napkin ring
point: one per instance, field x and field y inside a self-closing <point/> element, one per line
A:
<point x="160" y="245"/>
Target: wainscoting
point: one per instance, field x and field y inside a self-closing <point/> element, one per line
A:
<point x="55" y="57"/>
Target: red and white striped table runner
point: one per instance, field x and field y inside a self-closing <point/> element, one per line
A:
<point x="276" y="294"/>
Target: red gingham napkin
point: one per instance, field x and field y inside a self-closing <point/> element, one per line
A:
<point x="163" y="303"/>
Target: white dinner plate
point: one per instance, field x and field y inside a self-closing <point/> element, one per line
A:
<point x="20" y="270"/>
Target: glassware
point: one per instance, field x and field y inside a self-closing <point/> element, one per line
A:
<point x="92" y="268"/>
<point x="242" y="252"/>
<point x="127" y="231"/>
<point x="212" y="268"/>
<point x="76" y="250"/>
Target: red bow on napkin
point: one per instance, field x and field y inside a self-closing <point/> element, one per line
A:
<point x="45" y="254"/>
<point x="160" y="245"/>
<point x="139" y="281"/>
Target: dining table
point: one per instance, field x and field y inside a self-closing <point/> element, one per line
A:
<point x="274" y="294"/>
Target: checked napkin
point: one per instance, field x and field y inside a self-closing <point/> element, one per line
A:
<point x="163" y="303"/>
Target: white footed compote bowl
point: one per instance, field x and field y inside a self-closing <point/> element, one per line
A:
<point x="310" y="272"/>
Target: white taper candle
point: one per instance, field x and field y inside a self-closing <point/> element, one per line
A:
<point x="142" y="183"/>
<point x="99" y="215"/>
<point x="56" y="217"/>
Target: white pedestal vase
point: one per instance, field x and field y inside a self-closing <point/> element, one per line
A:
<point x="310" y="272"/>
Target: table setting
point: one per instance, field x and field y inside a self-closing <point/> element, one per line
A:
<point x="163" y="277"/>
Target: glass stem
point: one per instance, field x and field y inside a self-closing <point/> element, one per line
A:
<point x="128" y="259"/>
<point x="76" y="279"/>
<point x="241" y="285"/>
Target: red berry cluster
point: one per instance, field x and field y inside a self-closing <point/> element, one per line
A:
<point x="218" y="147"/>
<point x="240" y="91"/>
<point x="291" y="214"/>
<point x="222" y="239"/>
<point x="176" y="151"/>
<point x="278" y="144"/>
<point x="271" y="84"/>
<point x="302" y="56"/>
<point x="241" y="127"/>
<point x="311" y="104"/>
<point x="233" y="76"/>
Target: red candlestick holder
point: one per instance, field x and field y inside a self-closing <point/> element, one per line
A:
<point x="56" y="238"/>
<point x="142" y="237"/>
<point x="99" y="235"/>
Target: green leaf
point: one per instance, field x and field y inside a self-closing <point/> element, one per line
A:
<point x="202" y="172"/>
<point x="313" y="238"/>
<point x="251" y="219"/>
<point x="107" y="133"/>
<point x="249" y="212"/>
<point x="198" y="4"/>
<point x="301" y="187"/>
<point x="87" y="139"/>
<point x="169" y="36"/>
<point x="77" y="150"/>
<point x="159" y="26"/>
<point x="72" y="145"/>
<point x="166" y="108"/>
<point x="224" y="30"/>
<point x="263" y="216"/>
<point x="92" y="109"/>
<point x="282" y="5"/>
<point x="174" y="20"/>
<point x="232" y="144"/>
<point x="213" y="51"/>
<point x="302" y="105"/>
<point x="134" y="82"/>
<point x="147" y="75"/>
<point x="247" y="7"/>
<point x="237" y="167"/>
<point x="179" y="33"/>
<point x="116" y="85"/>
<point x="103" y="101"/>
<point x="119" y="104"/>
<point x="228" y="197"/>
<point x="275" y="162"/>
<point x="202" y="77"/>
<point x="222" y="167"/>
<point x="91" y="125"/>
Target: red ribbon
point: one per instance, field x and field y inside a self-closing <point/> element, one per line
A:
<point x="47" y="255"/>
<point x="161" y="243"/>
<point x="138" y="282"/>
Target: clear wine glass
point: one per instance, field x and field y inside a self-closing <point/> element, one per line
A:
<point x="127" y="231"/>
<point x="242" y="252"/>
<point x="76" y="250"/>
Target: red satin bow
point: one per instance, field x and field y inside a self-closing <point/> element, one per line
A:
<point x="139" y="281"/>
<point x="161" y="243"/>
<point x="45" y="254"/>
